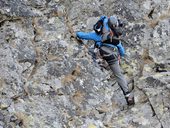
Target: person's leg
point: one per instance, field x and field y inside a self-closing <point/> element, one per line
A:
<point x="119" y="77"/>
<point x="110" y="55"/>
<point x="129" y="96"/>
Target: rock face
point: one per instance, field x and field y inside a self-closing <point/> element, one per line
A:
<point x="49" y="80"/>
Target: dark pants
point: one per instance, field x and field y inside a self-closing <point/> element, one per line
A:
<point x="111" y="56"/>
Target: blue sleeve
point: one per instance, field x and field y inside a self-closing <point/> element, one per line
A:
<point x="121" y="49"/>
<point x="89" y="36"/>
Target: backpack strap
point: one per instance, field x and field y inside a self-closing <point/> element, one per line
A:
<point x="111" y="35"/>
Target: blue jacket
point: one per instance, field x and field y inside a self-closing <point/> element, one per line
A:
<point x="98" y="38"/>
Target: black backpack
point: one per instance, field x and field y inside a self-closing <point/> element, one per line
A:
<point x="99" y="26"/>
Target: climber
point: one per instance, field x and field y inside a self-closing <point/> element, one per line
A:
<point x="106" y="37"/>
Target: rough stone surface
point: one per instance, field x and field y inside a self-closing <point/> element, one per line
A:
<point x="49" y="80"/>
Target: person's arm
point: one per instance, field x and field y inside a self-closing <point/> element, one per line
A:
<point x="121" y="49"/>
<point x="89" y="36"/>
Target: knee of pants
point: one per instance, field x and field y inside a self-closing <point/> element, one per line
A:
<point x="115" y="67"/>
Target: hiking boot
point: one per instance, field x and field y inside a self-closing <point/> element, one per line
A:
<point x="130" y="99"/>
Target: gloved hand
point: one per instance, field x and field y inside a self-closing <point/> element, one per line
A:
<point x="78" y="34"/>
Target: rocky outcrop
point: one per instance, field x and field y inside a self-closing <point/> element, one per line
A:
<point x="49" y="79"/>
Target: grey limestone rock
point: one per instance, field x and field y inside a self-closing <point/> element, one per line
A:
<point x="48" y="79"/>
